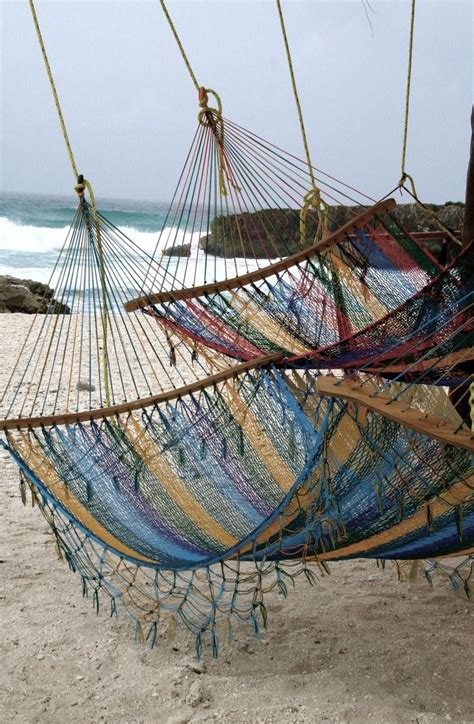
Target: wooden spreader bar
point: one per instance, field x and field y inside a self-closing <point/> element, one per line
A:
<point x="279" y="266"/>
<point x="70" y="418"/>
<point x="393" y="410"/>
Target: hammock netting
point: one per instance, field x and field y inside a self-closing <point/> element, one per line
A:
<point x="190" y="450"/>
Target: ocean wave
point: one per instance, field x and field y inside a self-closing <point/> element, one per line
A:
<point x="21" y="238"/>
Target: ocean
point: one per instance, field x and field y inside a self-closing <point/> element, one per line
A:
<point x="33" y="227"/>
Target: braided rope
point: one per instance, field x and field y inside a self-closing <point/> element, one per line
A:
<point x="53" y="89"/>
<point x="313" y="197"/>
<point x="404" y="175"/>
<point x="81" y="185"/>
<point x="179" y="44"/>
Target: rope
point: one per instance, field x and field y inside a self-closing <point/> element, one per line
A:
<point x="180" y="45"/>
<point x="404" y="175"/>
<point x="53" y="89"/>
<point x="210" y="117"/>
<point x="313" y="197"/>
<point x="81" y="185"/>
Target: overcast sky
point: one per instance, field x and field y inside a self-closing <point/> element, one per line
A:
<point x="130" y="106"/>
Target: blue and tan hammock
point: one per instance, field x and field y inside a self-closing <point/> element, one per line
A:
<point x="178" y="482"/>
<point x="192" y="501"/>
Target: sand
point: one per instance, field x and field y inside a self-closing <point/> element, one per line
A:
<point x="359" y="646"/>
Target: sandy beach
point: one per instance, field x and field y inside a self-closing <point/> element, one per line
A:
<point x="358" y="646"/>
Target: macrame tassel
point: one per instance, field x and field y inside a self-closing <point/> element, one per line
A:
<point x="172" y="357"/>
<point x="199" y="645"/>
<point x="214" y="643"/>
<point x="171" y="627"/>
<point x="139" y="636"/>
<point x="152" y="634"/>
<point x="310" y="576"/>
<point x="413" y="572"/>
<point x="323" y="566"/>
<point x="34" y="496"/>
<point x="194" y="355"/>
<point x="22" y="488"/>
<point x="57" y="548"/>
<point x="113" y="607"/>
<point x="264" y="614"/>
<point x="96" y="601"/>
<point x="172" y="353"/>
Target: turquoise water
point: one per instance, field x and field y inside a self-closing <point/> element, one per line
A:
<point x="33" y="227"/>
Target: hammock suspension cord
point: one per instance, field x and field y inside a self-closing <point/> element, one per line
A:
<point x="80" y="187"/>
<point x="207" y="116"/>
<point x="404" y="175"/>
<point x="313" y="197"/>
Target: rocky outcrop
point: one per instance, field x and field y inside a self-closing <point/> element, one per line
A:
<point x="276" y="232"/>
<point x="178" y="250"/>
<point x="28" y="297"/>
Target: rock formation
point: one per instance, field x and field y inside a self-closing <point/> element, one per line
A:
<point x="29" y="297"/>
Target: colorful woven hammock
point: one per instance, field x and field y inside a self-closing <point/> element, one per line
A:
<point x="196" y="499"/>
<point x="193" y="488"/>
<point x="323" y="303"/>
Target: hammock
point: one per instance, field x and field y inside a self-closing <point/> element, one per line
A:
<point x="159" y="500"/>
<point x="308" y="303"/>
<point x="176" y="481"/>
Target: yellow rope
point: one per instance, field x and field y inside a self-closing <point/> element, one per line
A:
<point x="313" y="197"/>
<point x="53" y="88"/>
<point x="404" y="175"/>
<point x="81" y="185"/>
<point x="179" y="44"/>
<point x="210" y="117"/>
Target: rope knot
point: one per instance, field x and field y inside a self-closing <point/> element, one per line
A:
<point x="80" y="187"/>
<point x="212" y="118"/>
<point x="313" y="200"/>
<point x="208" y="116"/>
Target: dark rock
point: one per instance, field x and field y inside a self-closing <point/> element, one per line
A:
<point x="29" y="297"/>
<point x="178" y="250"/>
<point x="276" y="232"/>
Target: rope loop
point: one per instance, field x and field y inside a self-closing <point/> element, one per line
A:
<point x="313" y="200"/>
<point x="208" y="116"/>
